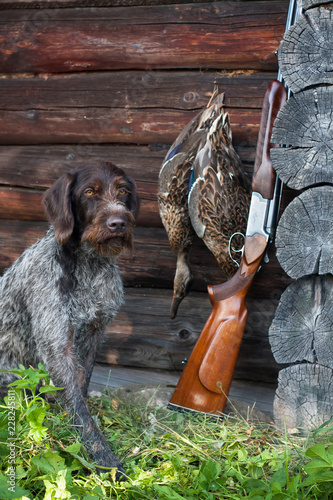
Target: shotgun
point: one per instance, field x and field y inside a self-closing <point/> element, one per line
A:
<point x="205" y="382"/>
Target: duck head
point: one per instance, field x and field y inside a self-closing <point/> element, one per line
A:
<point x="182" y="282"/>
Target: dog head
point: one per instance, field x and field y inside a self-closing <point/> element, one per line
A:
<point x="97" y="204"/>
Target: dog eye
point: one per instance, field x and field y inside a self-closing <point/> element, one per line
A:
<point x="89" y="192"/>
<point x="122" y="191"/>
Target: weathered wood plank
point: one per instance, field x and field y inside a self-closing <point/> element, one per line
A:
<point x="143" y="335"/>
<point x="304" y="123"/>
<point x="229" y="35"/>
<point x="130" y="107"/>
<point x="305" y="54"/>
<point x="304" y="237"/>
<point x="39" y="4"/>
<point x="26" y="204"/>
<point x="109" y="125"/>
<point x="179" y="90"/>
<point x="18" y="203"/>
<point x="302" y="328"/>
<point x="152" y="263"/>
<point x="39" y="166"/>
<point x="186" y="90"/>
<point x="43" y="4"/>
<point x="304" y="397"/>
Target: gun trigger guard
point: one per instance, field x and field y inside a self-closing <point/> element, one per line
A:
<point x="231" y="249"/>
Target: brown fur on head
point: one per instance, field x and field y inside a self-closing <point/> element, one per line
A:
<point x="96" y="204"/>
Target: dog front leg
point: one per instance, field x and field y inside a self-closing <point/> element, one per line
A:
<point x="87" y="341"/>
<point x="63" y="371"/>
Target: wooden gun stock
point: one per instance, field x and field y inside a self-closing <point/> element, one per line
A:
<point x="205" y="382"/>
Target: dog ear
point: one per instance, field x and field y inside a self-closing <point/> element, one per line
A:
<point x="58" y="205"/>
<point x="134" y="202"/>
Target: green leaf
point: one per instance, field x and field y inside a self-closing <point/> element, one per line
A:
<point x="279" y="477"/>
<point x="49" y="389"/>
<point x="242" y="455"/>
<point x="210" y="470"/>
<point x="35" y="418"/>
<point x="256" y="486"/>
<point x="48" y="462"/>
<point x="316" y="465"/>
<point x="321" y="477"/>
<point x="167" y="493"/>
<point x="73" y="450"/>
<point x="15" y="491"/>
<point x="319" y="451"/>
<point x="276" y="487"/>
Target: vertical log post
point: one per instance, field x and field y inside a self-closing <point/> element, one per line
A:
<point x="302" y="329"/>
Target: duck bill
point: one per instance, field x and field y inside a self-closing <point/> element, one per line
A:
<point x="174" y="306"/>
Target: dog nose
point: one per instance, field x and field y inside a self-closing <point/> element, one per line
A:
<point x="116" y="224"/>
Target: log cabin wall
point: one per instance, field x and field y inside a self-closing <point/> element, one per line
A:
<point x="301" y="333"/>
<point x="118" y="80"/>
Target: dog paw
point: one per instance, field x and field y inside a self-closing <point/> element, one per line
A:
<point x="107" y="461"/>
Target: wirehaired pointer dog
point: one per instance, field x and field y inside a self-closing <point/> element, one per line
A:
<point x="58" y="297"/>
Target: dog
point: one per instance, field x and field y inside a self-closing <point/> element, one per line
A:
<point x="57" y="299"/>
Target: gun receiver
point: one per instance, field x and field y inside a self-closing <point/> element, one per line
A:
<point x="205" y="382"/>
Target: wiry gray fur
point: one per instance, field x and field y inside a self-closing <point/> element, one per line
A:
<point x="55" y="303"/>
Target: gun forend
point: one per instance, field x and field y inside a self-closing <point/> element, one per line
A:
<point x="264" y="174"/>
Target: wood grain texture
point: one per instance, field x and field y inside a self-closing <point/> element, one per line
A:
<point x="26" y="204"/>
<point x="304" y="123"/>
<point x="305" y="52"/>
<point x="111" y="125"/>
<point x="304" y="397"/>
<point x="229" y="35"/>
<point x="132" y="107"/>
<point x="304" y="237"/>
<point x="138" y="338"/>
<point x="306" y="4"/>
<point x="38" y="4"/>
<point x="179" y="90"/>
<point x="302" y="329"/>
<point x="152" y="263"/>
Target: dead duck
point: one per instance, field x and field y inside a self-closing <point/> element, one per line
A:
<point x="220" y="196"/>
<point x="173" y="189"/>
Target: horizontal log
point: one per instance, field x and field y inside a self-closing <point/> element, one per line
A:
<point x="229" y="35"/>
<point x="23" y="203"/>
<point x="26" y="204"/>
<point x="143" y="335"/>
<point x="304" y="237"/>
<point x="138" y="107"/>
<point x="107" y="125"/>
<point x="39" y="4"/>
<point x="179" y="90"/>
<point x="39" y="166"/>
<point x="302" y="329"/>
<point x="303" y="398"/>
<point x="152" y="263"/>
<point x="304" y="123"/>
<point x="305" y="54"/>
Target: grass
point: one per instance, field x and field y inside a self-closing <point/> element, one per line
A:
<point x="167" y="455"/>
